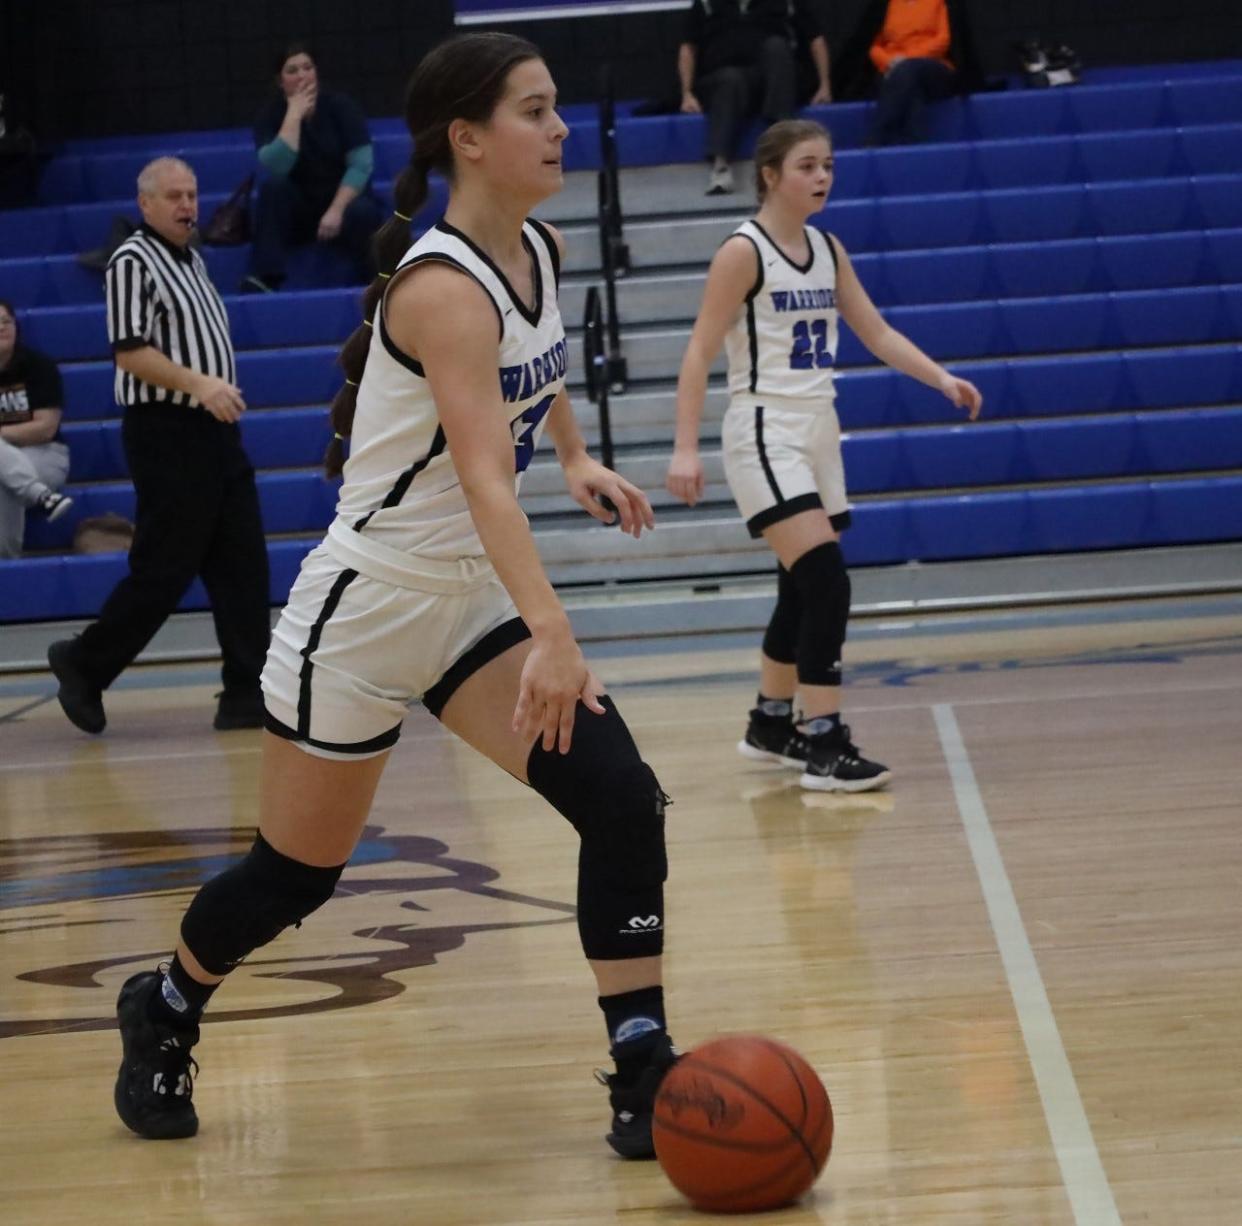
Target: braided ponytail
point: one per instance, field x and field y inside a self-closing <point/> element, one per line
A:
<point x="463" y="78"/>
<point x="388" y="246"/>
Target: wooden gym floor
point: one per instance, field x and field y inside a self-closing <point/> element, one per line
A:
<point x="1018" y="971"/>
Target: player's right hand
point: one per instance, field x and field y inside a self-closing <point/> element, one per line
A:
<point x="220" y="398"/>
<point x="554" y="677"/>
<point x="685" y="476"/>
<point x="690" y="105"/>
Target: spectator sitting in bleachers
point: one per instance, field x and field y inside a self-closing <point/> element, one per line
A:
<point x="34" y="462"/>
<point x="738" y="59"/>
<point x="316" y="149"/>
<point x="907" y="53"/>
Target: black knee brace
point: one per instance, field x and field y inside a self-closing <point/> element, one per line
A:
<point x="780" y="640"/>
<point x="823" y="585"/>
<point x="252" y="903"/>
<point x="612" y="799"/>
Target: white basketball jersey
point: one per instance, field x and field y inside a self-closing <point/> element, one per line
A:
<point x="784" y="339"/>
<point x="401" y="494"/>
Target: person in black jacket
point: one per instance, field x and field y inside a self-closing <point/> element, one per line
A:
<point x="906" y="53"/>
<point x="316" y="150"/>
<point x="740" y="58"/>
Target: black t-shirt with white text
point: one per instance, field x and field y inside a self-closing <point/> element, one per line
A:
<point x="30" y="381"/>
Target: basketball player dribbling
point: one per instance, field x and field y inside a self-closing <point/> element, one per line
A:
<point x="772" y="296"/>
<point x="428" y="585"/>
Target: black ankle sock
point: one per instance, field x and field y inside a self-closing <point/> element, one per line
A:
<point x="634" y="1020"/>
<point x="775" y="708"/>
<point x="181" y="998"/>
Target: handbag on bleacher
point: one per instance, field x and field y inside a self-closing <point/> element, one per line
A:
<point x="229" y="225"/>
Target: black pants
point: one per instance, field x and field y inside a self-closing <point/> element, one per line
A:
<point x="285" y="217"/>
<point x="731" y="96"/>
<point x="904" y="95"/>
<point x="197" y="514"/>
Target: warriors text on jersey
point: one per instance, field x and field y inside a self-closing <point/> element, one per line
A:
<point x="402" y="498"/>
<point x="784" y="339"/>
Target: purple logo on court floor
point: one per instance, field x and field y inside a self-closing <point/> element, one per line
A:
<point x="95" y="908"/>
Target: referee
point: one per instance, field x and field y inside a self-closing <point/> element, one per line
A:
<point x="197" y="507"/>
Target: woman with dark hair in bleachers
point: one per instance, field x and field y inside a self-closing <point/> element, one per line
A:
<point x="429" y="585"/>
<point x="315" y="148"/>
<point x="772" y="298"/>
<point x="34" y="462"/>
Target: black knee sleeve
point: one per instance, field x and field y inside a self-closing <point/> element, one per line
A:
<point x="780" y="640"/>
<point x="823" y="586"/>
<point x="250" y="904"/>
<point x="612" y="799"/>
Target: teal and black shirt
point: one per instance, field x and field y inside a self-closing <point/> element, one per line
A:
<point x="334" y="146"/>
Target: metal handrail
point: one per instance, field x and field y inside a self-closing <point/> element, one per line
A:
<point x="595" y="365"/>
<point x="613" y="251"/>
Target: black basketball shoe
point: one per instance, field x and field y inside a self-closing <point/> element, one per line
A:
<point x="633" y="1101"/>
<point x="834" y="764"/>
<point x="773" y="738"/>
<point x="155" y="1082"/>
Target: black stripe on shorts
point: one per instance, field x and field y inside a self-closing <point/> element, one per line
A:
<point x="492" y="644"/>
<point x="794" y="506"/>
<point x="385" y="740"/>
<point x="342" y="581"/>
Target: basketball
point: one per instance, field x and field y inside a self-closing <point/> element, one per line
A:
<point x="741" y="1124"/>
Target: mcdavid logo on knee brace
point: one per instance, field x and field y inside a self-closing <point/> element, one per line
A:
<point x="642" y="923"/>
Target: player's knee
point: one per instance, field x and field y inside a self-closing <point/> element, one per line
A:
<point x="780" y="639"/>
<point x="824" y="588"/>
<point x="251" y="903"/>
<point x="610" y="796"/>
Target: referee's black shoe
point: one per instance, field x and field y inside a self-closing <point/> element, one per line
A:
<point x="80" y="699"/>
<point x="238" y="709"/>
<point x="155" y="1084"/>
<point x="633" y="1102"/>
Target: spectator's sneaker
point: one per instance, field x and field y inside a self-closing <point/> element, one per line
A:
<point x="238" y="709"/>
<point x="155" y="1084"/>
<point x="720" y="181"/>
<point x="834" y="764"/>
<point x="80" y="699"/>
<point x="633" y="1102"/>
<point x="773" y="738"/>
<point x="256" y="285"/>
<point x="53" y="505"/>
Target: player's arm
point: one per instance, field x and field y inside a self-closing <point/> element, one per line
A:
<point x="588" y="480"/>
<point x="889" y="345"/>
<point x="447" y="321"/>
<point x="733" y="274"/>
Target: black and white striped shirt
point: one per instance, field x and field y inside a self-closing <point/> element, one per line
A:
<point x="159" y="294"/>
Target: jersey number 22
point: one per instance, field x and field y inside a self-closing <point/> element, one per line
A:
<point x="800" y="356"/>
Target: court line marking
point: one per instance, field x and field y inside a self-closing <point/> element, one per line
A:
<point x="1082" y="1172"/>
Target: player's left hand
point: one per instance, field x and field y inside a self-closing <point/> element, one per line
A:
<point x="963" y="393"/>
<point x="589" y="481"/>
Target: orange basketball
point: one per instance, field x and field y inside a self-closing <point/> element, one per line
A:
<point x="742" y="1124"/>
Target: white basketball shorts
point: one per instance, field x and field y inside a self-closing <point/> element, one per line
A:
<point x="783" y="456"/>
<point x="350" y="653"/>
